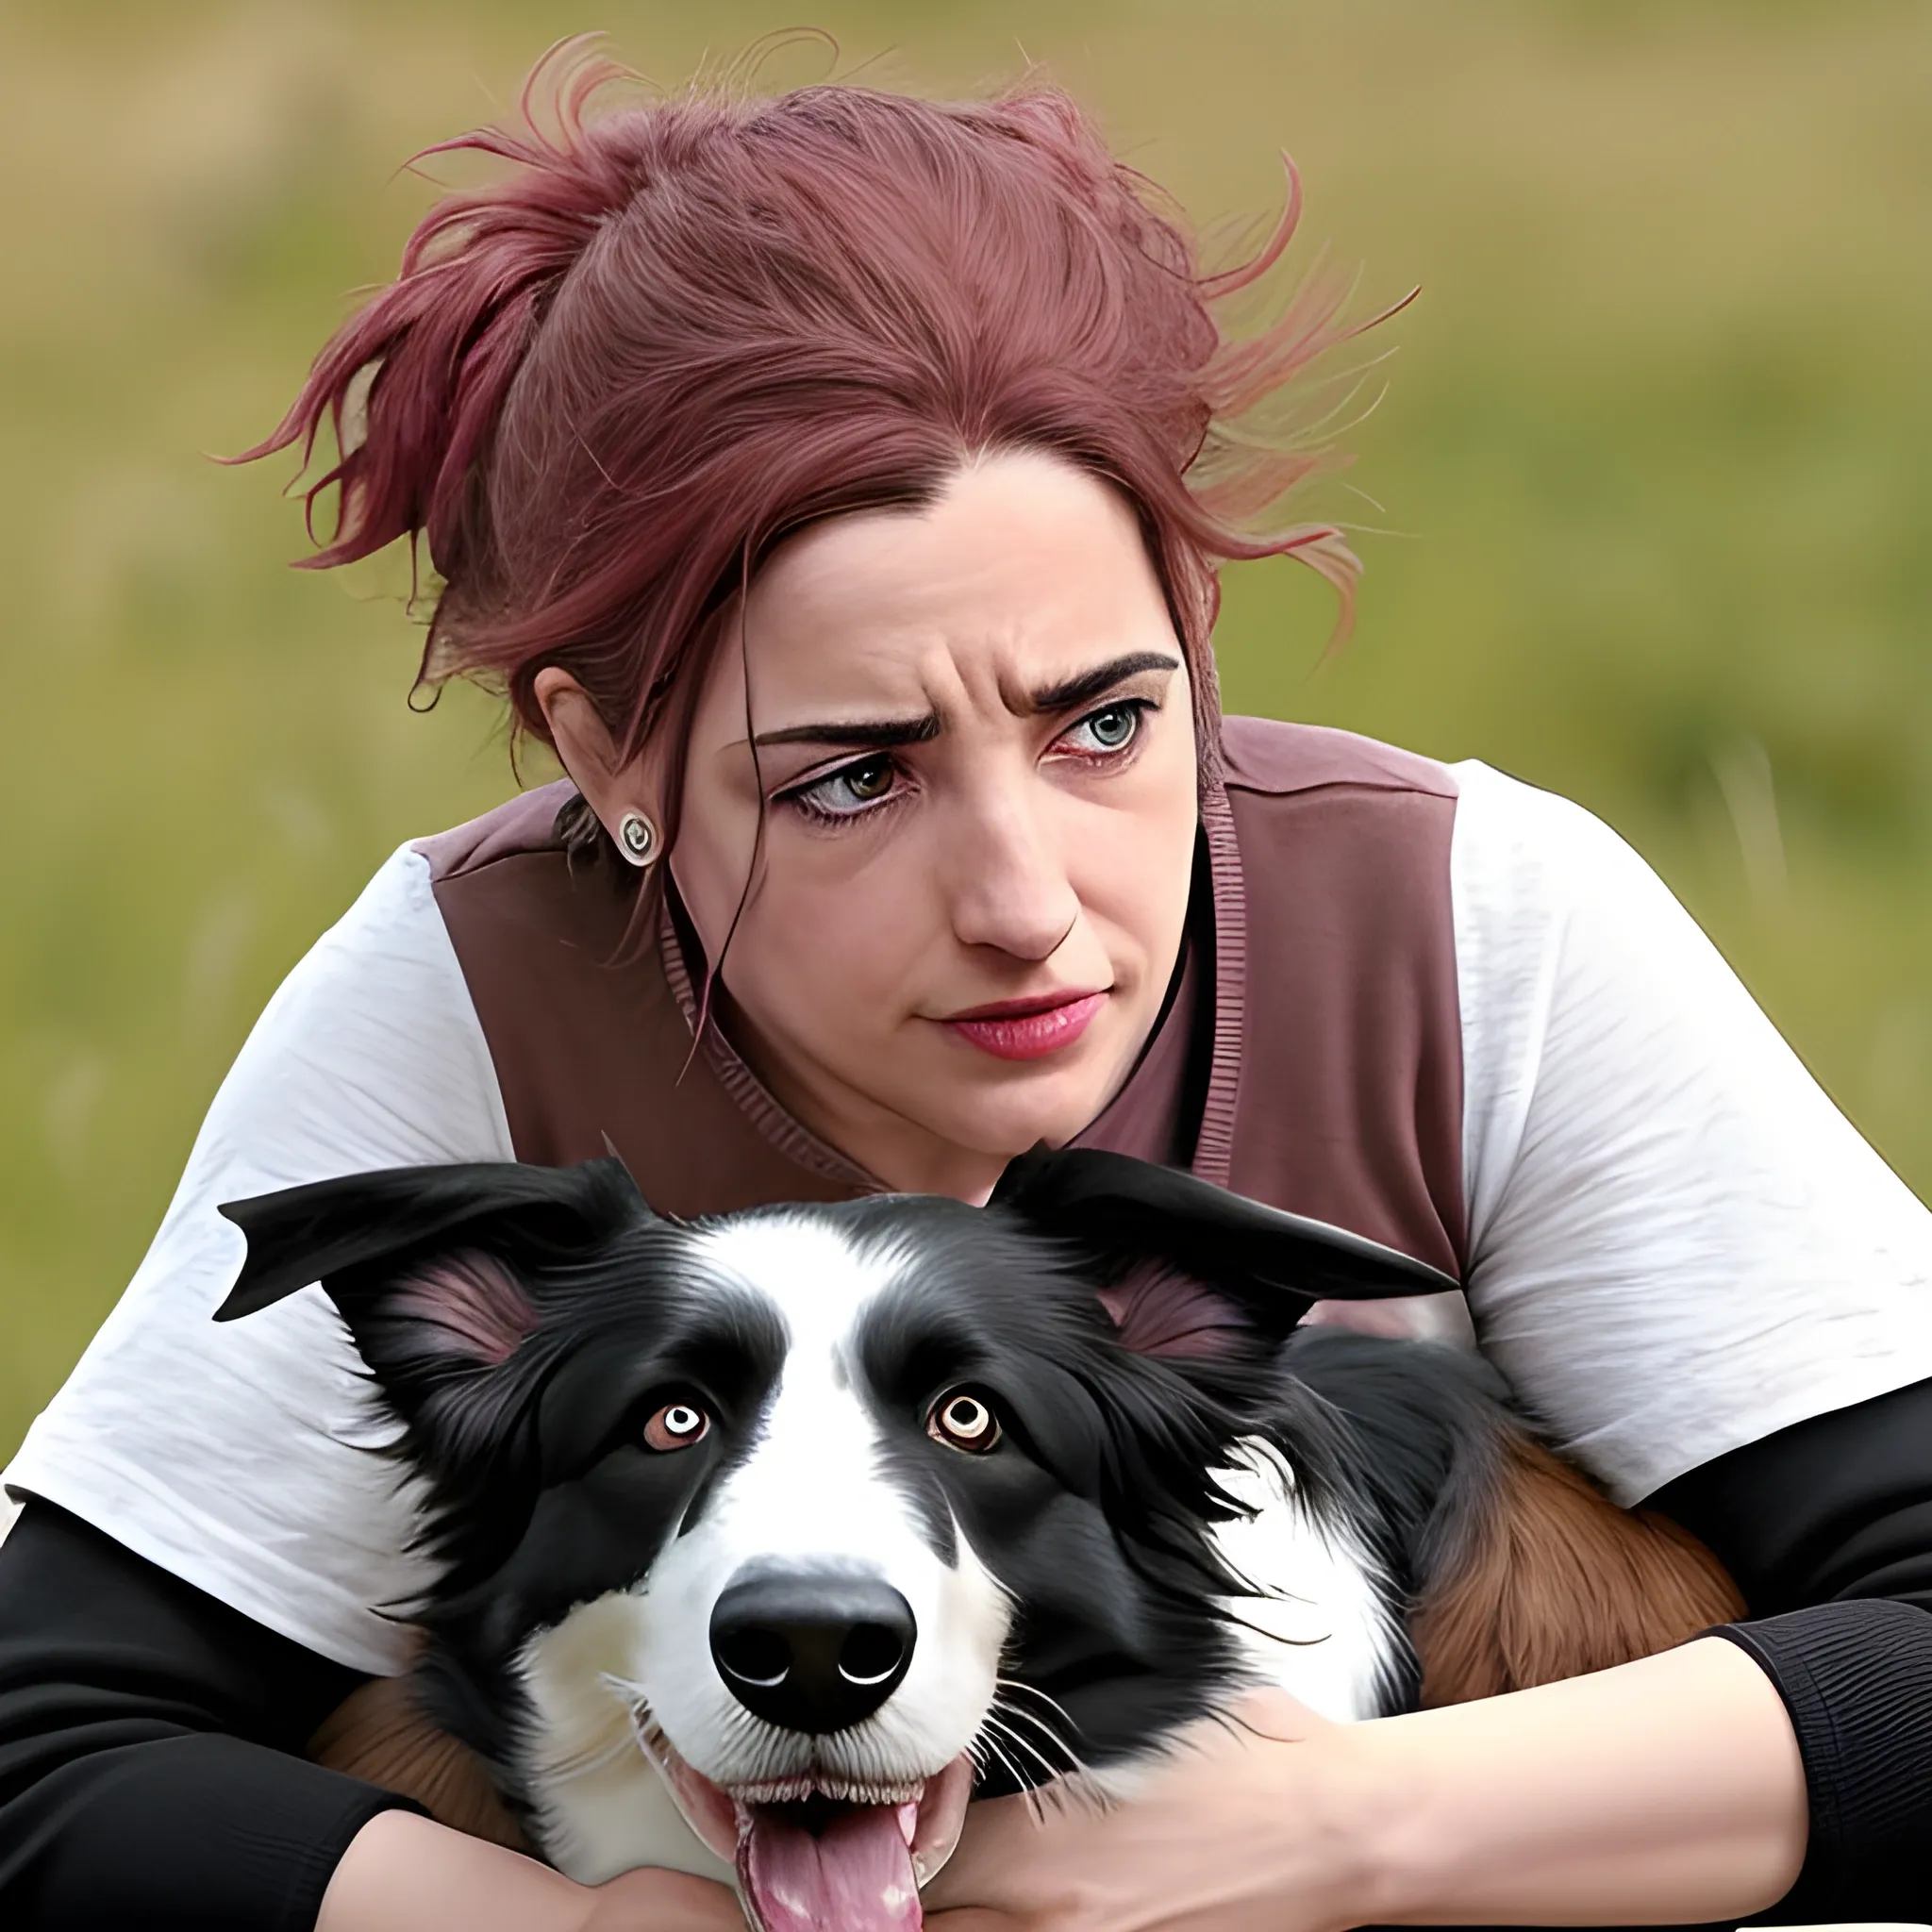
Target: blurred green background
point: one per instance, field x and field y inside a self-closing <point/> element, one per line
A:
<point x="1655" y="474"/>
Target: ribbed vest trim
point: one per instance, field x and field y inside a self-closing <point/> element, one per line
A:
<point x="1347" y="1072"/>
<point x="1215" y="1141"/>
<point x="759" y="1105"/>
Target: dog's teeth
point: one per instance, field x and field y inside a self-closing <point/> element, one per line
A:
<point x="845" y="1790"/>
<point x="782" y="1791"/>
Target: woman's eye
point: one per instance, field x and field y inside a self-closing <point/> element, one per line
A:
<point x="676" y="1425"/>
<point x="1111" y="728"/>
<point x="963" y="1421"/>
<point x="868" y="781"/>
<point x="847" y="790"/>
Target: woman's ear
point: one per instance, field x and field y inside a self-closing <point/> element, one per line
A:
<point x="611" y="785"/>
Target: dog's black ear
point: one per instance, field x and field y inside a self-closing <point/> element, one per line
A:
<point x="431" y="1269"/>
<point x="1151" y="1222"/>
<point x="346" y="1233"/>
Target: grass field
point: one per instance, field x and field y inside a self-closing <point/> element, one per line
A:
<point x="1652" y="485"/>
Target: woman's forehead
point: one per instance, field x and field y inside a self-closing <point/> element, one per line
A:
<point x="1024" y="575"/>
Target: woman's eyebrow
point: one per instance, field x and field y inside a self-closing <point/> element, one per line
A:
<point x="869" y="734"/>
<point x="1088" y="685"/>
<point x="887" y="734"/>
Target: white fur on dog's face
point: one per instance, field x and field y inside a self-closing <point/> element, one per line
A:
<point x="814" y="1493"/>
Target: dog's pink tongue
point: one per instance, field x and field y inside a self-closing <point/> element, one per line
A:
<point x="856" y="1876"/>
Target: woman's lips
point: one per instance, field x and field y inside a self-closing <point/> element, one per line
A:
<point x="1027" y="1029"/>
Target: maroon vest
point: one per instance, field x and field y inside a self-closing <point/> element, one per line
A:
<point x="1312" y="1060"/>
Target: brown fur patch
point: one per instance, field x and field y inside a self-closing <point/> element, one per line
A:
<point x="380" y="1735"/>
<point x="1557" y="1581"/>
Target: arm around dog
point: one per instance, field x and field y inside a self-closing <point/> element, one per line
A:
<point x="404" y="1874"/>
<point x="1664" y="1790"/>
<point x="150" y="1774"/>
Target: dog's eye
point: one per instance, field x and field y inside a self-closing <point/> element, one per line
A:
<point x="963" y="1421"/>
<point x="676" y="1425"/>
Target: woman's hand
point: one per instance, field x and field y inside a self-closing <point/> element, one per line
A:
<point x="1665" y="1790"/>
<point x="1251" y="1827"/>
<point x="404" y="1874"/>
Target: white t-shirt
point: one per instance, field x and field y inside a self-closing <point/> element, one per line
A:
<point x="1677" y="1244"/>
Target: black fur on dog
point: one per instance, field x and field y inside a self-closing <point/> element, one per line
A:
<point x="1129" y="1327"/>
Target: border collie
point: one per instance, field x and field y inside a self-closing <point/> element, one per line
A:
<point x="768" y="1539"/>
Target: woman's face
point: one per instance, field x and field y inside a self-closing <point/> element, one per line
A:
<point x="975" y="760"/>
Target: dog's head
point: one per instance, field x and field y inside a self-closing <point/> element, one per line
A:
<point x="824" y="1508"/>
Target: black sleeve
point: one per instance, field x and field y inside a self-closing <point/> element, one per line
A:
<point x="1828" y="1528"/>
<point x="150" y="1773"/>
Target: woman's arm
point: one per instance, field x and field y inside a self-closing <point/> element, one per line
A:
<point x="1828" y="1528"/>
<point x="148" y="1735"/>
<point x="1670" y="1789"/>
<point x="404" y="1874"/>
<point x="150" y="1776"/>
<point x="1667" y="1791"/>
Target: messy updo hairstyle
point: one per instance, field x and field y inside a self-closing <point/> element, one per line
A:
<point x="677" y="330"/>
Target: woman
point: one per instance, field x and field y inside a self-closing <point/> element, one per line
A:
<point x="837" y="483"/>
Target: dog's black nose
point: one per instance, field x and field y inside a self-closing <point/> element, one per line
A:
<point x="811" y="1652"/>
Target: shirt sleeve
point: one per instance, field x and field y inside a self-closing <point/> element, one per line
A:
<point x="1828" y="1528"/>
<point x="1677" y="1243"/>
<point x="149" y="1735"/>
<point x="238" y="1456"/>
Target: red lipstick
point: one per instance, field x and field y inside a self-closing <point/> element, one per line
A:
<point x="1027" y="1029"/>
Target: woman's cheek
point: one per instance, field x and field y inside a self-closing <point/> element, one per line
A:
<point x="839" y="953"/>
<point x="1131" y="855"/>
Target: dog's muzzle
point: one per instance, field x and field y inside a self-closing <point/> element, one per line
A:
<point x="811" y="1652"/>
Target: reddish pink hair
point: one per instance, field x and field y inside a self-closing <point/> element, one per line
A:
<point x="605" y="386"/>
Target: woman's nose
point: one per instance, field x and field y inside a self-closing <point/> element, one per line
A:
<point x="1007" y="882"/>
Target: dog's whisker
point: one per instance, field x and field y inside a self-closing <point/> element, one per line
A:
<point x="1045" y="1742"/>
<point x="1026" y="1790"/>
<point x="1036" y="1747"/>
<point x="996" y="1728"/>
<point x="1043" y="1726"/>
<point x="1067" y="1781"/>
<point x="1019" y="1725"/>
<point x="1019" y="1687"/>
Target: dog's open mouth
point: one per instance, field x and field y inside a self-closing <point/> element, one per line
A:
<point x="826" y="1855"/>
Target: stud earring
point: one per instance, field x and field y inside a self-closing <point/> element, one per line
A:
<point x="636" y="837"/>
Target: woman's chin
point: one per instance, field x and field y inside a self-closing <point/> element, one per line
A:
<point x="1006" y="1106"/>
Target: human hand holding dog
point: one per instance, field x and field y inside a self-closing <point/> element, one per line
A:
<point x="1666" y="1789"/>
<point x="1200" y="1846"/>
